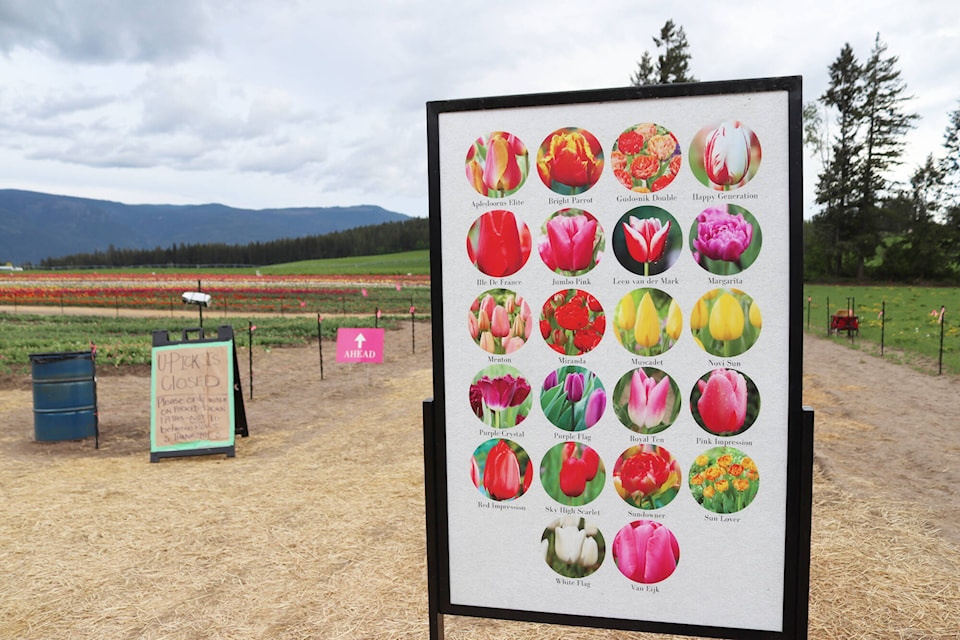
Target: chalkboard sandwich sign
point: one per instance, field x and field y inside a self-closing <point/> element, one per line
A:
<point x="196" y="404"/>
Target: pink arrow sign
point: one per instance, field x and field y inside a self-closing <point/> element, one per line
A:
<point x="359" y="345"/>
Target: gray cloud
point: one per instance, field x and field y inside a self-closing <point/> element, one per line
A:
<point x="106" y="31"/>
<point x="279" y="101"/>
<point x="77" y="100"/>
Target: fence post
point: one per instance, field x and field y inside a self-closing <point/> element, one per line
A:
<point x="250" y="329"/>
<point x="940" y="366"/>
<point x="883" y="322"/>
<point x="320" y="341"/>
<point x="828" y="315"/>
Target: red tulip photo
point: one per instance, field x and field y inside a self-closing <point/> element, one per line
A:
<point x="570" y="161"/>
<point x="499" y="243"/>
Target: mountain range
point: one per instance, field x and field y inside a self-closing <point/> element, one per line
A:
<point x="34" y="226"/>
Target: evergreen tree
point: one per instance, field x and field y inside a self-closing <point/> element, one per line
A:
<point x="884" y="124"/>
<point x="672" y="65"/>
<point x="919" y="251"/>
<point x="838" y="190"/>
<point x="884" y="119"/>
<point x="950" y="166"/>
<point x="867" y="105"/>
<point x="951" y="162"/>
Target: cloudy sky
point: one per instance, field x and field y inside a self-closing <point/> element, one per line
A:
<point x="281" y="103"/>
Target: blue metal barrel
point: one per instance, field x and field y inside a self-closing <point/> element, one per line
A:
<point x="64" y="396"/>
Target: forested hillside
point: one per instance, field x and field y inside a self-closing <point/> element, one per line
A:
<point x="37" y="226"/>
<point x="389" y="237"/>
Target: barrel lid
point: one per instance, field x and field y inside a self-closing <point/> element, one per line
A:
<point x="61" y="355"/>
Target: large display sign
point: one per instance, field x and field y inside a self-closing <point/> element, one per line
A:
<point x="616" y="432"/>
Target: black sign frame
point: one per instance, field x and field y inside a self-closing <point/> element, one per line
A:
<point x="799" y="430"/>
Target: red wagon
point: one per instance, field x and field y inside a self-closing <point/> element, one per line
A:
<point x="843" y="320"/>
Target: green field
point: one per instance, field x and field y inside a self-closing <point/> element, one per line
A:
<point x="121" y="340"/>
<point x="908" y="325"/>
<point x="408" y="262"/>
<point x="124" y="341"/>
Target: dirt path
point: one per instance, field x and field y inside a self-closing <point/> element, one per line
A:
<point x="316" y="528"/>
<point x="883" y="429"/>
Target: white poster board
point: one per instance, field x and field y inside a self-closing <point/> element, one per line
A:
<point x="614" y="357"/>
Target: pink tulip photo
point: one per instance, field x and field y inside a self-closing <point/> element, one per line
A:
<point x="646" y="551"/>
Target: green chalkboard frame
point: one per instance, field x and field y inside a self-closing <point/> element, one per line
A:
<point x="237" y="414"/>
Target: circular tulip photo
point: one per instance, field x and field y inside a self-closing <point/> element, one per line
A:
<point x="646" y="551"/>
<point x="646" y="400"/>
<point x="501" y="470"/>
<point x="725" y="156"/>
<point x="725" y="402"/>
<point x="648" y="322"/>
<point x="498" y="243"/>
<point x="571" y="242"/>
<point x="645" y="158"/>
<point x="724" y="480"/>
<point x="573" y="398"/>
<point x="572" y="322"/>
<point x="647" y="240"/>
<point x="498" y="165"/>
<point x="572" y="473"/>
<point x="500" y="321"/>
<point x="726" y="322"/>
<point x="570" y="161"/>
<point x="725" y="239"/>
<point x="500" y="396"/>
<point x="572" y="546"/>
<point x="646" y="476"/>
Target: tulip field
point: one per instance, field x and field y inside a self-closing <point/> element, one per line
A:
<point x="271" y="294"/>
<point x="283" y="309"/>
<point x="907" y="319"/>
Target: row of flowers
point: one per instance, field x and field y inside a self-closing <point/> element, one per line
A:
<point x="647" y="240"/>
<point x="242" y="297"/>
<point x="176" y="280"/>
<point x="645" y="476"/>
<point x="648" y="322"/>
<point x="645" y="157"/>
<point x="723" y="402"/>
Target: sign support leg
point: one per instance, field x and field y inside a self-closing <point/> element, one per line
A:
<point x="805" y="524"/>
<point x="430" y="488"/>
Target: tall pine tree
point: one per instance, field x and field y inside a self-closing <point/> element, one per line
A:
<point x="673" y="65"/>
<point x="885" y="123"/>
<point x="868" y="106"/>
<point x="838" y="190"/>
<point x="951" y="162"/>
<point x="950" y="167"/>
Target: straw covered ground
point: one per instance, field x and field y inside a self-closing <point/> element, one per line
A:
<point x="316" y="528"/>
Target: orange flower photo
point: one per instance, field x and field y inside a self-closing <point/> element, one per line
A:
<point x="646" y="158"/>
